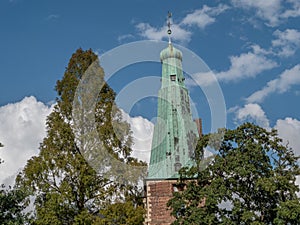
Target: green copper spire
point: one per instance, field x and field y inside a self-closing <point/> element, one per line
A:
<point x="175" y="132"/>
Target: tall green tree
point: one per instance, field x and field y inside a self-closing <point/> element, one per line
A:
<point x="250" y="181"/>
<point x="12" y="204"/>
<point x="67" y="188"/>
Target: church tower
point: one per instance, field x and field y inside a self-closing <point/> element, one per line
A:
<point x="174" y="137"/>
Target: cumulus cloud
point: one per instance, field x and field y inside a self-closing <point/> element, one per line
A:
<point x="251" y="113"/>
<point x="246" y="65"/>
<point x="205" y="16"/>
<point x="22" y="129"/>
<point x="200" y="17"/>
<point x="266" y="10"/>
<point x="273" y="12"/>
<point x="243" y="66"/>
<point x="202" y="79"/>
<point x="293" y="11"/>
<point x="279" y="85"/>
<point x="288" y="128"/>
<point x="153" y="33"/>
<point x="259" y="50"/>
<point x="142" y="130"/>
<point x="286" y="42"/>
<point x="289" y="131"/>
<point x="125" y="37"/>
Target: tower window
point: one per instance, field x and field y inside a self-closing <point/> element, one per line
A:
<point x="177" y="166"/>
<point x="173" y="77"/>
<point x="176" y="140"/>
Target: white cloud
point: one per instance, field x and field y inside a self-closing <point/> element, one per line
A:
<point x="205" y="16"/>
<point x="246" y="65"/>
<point x="260" y="51"/>
<point x="201" y="79"/>
<point x="153" y="33"/>
<point x="288" y="128"/>
<point x="125" y="37"/>
<point x="286" y="42"/>
<point x="280" y="85"/>
<point x="142" y="130"/>
<point x="200" y="17"/>
<point x="267" y="10"/>
<point x="294" y="11"/>
<point x="289" y="131"/>
<point x="22" y="129"/>
<point x="271" y="11"/>
<point x="251" y="113"/>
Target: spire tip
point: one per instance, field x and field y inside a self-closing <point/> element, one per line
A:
<point x="169" y="26"/>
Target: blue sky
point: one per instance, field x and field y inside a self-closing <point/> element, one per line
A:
<point x="251" y="46"/>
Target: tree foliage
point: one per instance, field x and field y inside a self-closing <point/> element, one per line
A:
<point x="12" y="204"/>
<point x="122" y="213"/>
<point x="68" y="189"/>
<point x="130" y="212"/>
<point x="251" y="180"/>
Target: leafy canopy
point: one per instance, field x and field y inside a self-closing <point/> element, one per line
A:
<point x="251" y="180"/>
<point x="12" y="204"/>
<point x="68" y="189"/>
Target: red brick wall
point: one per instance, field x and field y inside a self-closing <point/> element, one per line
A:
<point x="158" y="194"/>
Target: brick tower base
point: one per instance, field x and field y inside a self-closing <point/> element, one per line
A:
<point x="158" y="193"/>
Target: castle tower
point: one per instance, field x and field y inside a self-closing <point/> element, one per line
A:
<point x="174" y="137"/>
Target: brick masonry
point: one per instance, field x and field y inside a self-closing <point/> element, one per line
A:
<point x="158" y="193"/>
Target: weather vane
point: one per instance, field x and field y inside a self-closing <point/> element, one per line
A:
<point x="169" y="26"/>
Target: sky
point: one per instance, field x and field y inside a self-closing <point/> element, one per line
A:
<point x="251" y="48"/>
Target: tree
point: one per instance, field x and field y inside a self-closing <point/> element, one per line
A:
<point x="122" y="213"/>
<point x="250" y="181"/>
<point x="12" y="204"/>
<point x="67" y="188"/>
